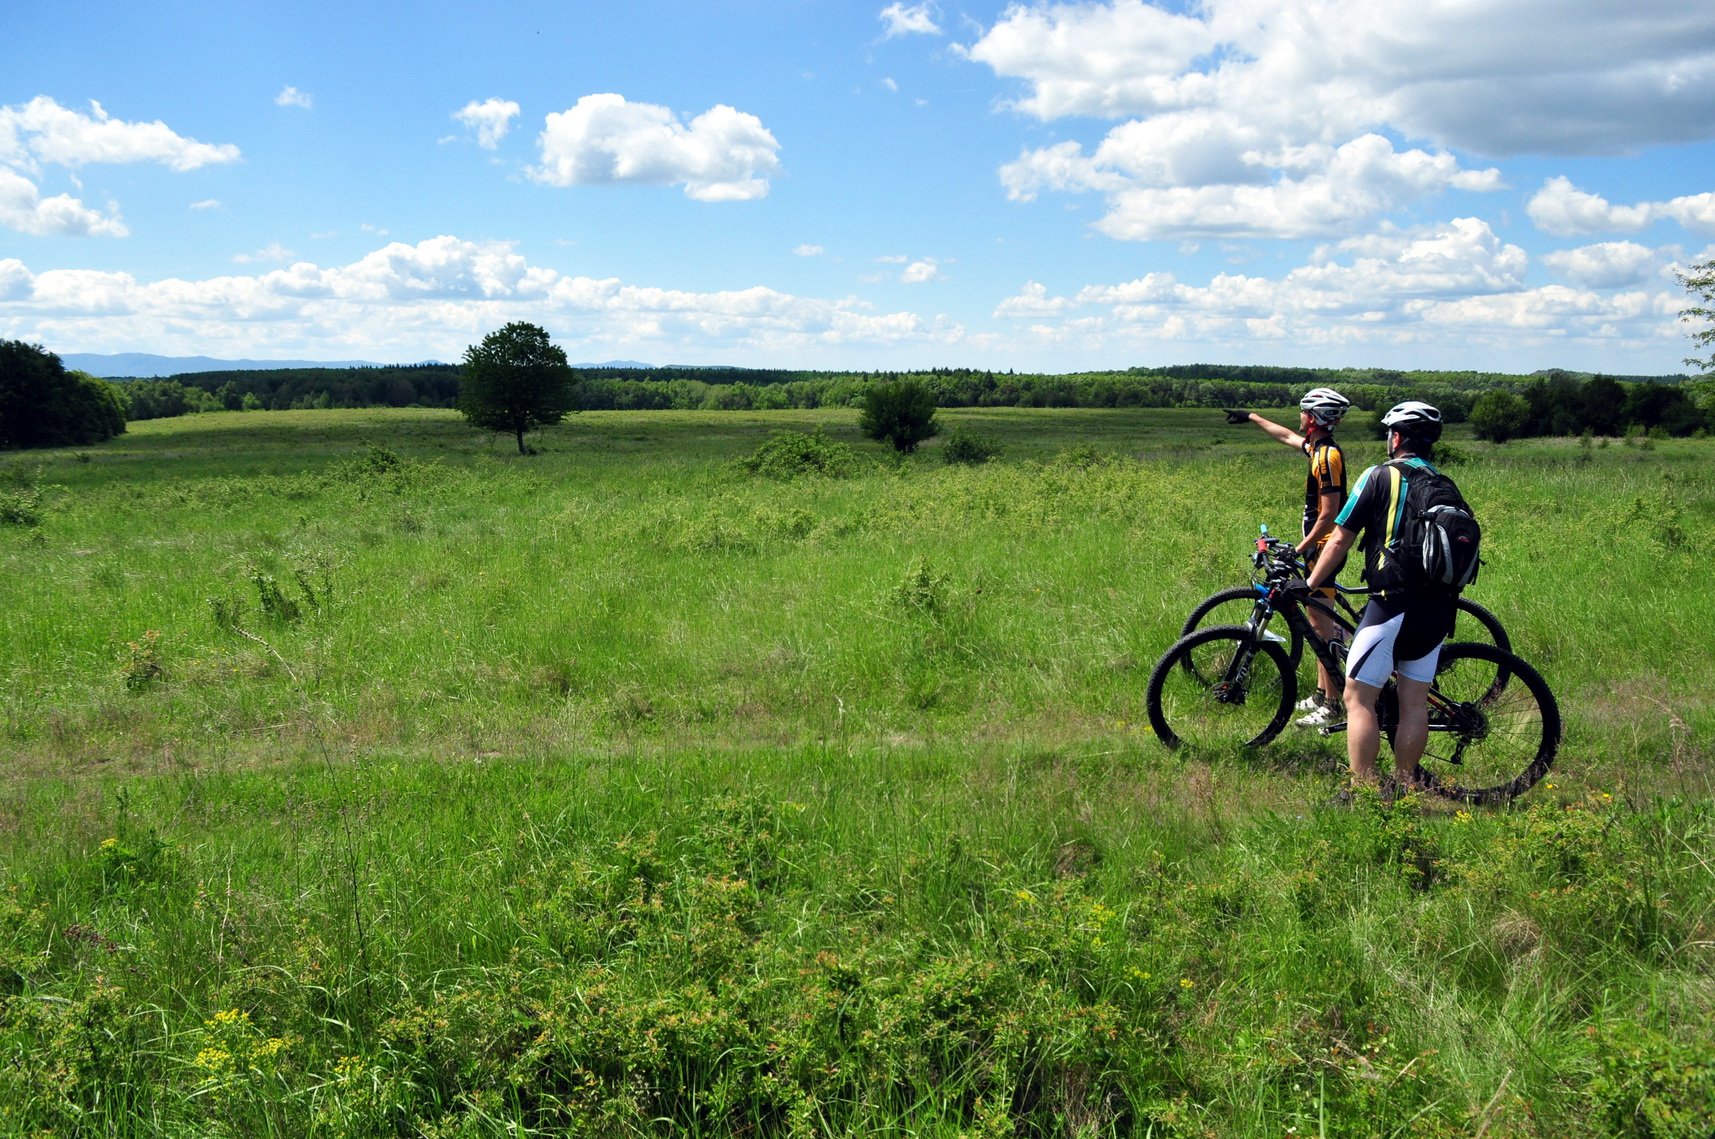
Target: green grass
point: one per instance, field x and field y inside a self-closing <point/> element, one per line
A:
<point x="615" y="790"/>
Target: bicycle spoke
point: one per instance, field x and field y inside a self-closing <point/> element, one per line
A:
<point x="1220" y="689"/>
<point x="1493" y="725"/>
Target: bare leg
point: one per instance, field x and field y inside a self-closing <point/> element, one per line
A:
<point x="1363" y="731"/>
<point x="1412" y="734"/>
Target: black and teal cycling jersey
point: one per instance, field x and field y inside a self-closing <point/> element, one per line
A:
<point x="1376" y="508"/>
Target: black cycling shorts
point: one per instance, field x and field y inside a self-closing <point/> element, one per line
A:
<point x="1400" y="634"/>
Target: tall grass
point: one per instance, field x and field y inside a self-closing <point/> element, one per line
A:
<point x="366" y="780"/>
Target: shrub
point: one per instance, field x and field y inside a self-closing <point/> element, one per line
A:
<point x="969" y="447"/>
<point x="788" y="454"/>
<point x="901" y="413"/>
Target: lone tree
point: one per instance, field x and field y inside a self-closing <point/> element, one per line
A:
<point x="44" y="405"/>
<point x="1499" y="415"/>
<point x="514" y="380"/>
<point x="901" y="412"/>
<point x="1700" y="280"/>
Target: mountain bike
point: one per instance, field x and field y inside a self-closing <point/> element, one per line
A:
<point x="1232" y="606"/>
<point x="1494" y="725"/>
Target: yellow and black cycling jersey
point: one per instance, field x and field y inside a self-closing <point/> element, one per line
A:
<point x="1327" y="476"/>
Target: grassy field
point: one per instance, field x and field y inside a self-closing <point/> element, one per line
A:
<point x="364" y="778"/>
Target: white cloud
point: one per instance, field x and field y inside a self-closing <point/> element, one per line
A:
<point x="1244" y="116"/>
<point x="1032" y="303"/>
<point x="292" y="97"/>
<point x="1562" y="209"/>
<point x="489" y="119"/>
<point x="273" y="253"/>
<point x="433" y="298"/>
<point x="808" y="250"/>
<point x="1610" y="265"/>
<point x="23" y="208"/>
<point x="43" y="132"/>
<point x="921" y="272"/>
<point x="908" y="19"/>
<point x="207" y="204"/>
<point x="1455" y="287"/>
<point x="722" y="155"/>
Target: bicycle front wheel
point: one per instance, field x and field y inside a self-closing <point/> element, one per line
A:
<point x="1233" y="607"/>
<point x="1494" y="726"/>
<point x="1220" y="688"/>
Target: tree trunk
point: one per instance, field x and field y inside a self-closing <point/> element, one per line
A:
<point x="521" y="449"/>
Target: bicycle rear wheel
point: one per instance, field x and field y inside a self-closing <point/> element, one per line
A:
<point x="1220" y="688"/>
<point x="1489" y="629"/>
<point x="1494" y="726"/>
<point x="1233" y="607"/>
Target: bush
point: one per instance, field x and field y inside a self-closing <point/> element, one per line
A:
<point x="788" y="454"/>
<point x="969" y="447"/>
<point x="901" y="413"/>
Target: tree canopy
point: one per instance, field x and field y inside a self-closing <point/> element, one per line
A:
<point x="515" y="380"/>
<point x="1700" y="281"/>
<point x="901" y="413"/>
<point x="44" y="405"/>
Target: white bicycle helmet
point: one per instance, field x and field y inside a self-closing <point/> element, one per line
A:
<point x="1415" y="419"/>
<point x="1325" y="405"/>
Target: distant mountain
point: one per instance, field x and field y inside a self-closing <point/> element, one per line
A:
<point x="143" y="365"/>
<point x="616" y="364"/>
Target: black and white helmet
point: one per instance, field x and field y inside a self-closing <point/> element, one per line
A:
<point x="1325" y="405"/>
<point x="1414" y="419"/>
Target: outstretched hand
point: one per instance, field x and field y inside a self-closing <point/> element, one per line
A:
<point x="1234" y="415"/>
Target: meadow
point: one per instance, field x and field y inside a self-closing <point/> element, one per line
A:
<point x="364" y="778"/>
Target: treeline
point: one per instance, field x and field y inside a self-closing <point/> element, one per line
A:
<point x="1555" y="402"/>
<point x="1562" y="404"/>
<point x="282" y="389"/>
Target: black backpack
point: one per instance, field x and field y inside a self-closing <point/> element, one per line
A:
<point x="1437" y="544"/>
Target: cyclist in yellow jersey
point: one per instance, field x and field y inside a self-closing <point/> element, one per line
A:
<point x="1324" y="494"/>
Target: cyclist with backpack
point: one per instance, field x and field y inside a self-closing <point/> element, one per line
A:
<point x="1319" y="412"/>
<point x="1420" y="549"/>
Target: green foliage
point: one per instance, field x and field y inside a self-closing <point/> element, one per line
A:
<point x="790" y="454"/>
<point x="1654" y="1085"/>
<point x="969" y="447"/>
<point x="615" y="794"/>
<point x="1498" y="416"/>
<point x="516" y="380"/>
<point x="900" y="413"/>
<point x="44" y="405"/>
<point x="1699" y="281"/>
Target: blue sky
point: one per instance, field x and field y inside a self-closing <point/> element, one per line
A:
<point x="1501" y="186"/>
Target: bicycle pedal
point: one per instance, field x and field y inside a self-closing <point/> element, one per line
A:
<point x="1330" y="729"/>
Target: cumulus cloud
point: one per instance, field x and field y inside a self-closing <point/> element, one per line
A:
<point x="908" y="20"/>
<point x="1562" y="209"/>
<point x="721" y="155"/>
<point x="434" y="298"/>
<point x="921" y="272"/>
<point x="489" y="120"/>
<point x="41" y="134"/>
<point x="808" y="250"/>
<point x="1243" y="117"/>
<point x="23" y="208"/>
<point x="1610" y="265"/>
<point x="1456" y="285"/>
<point x="292" y="97"/>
